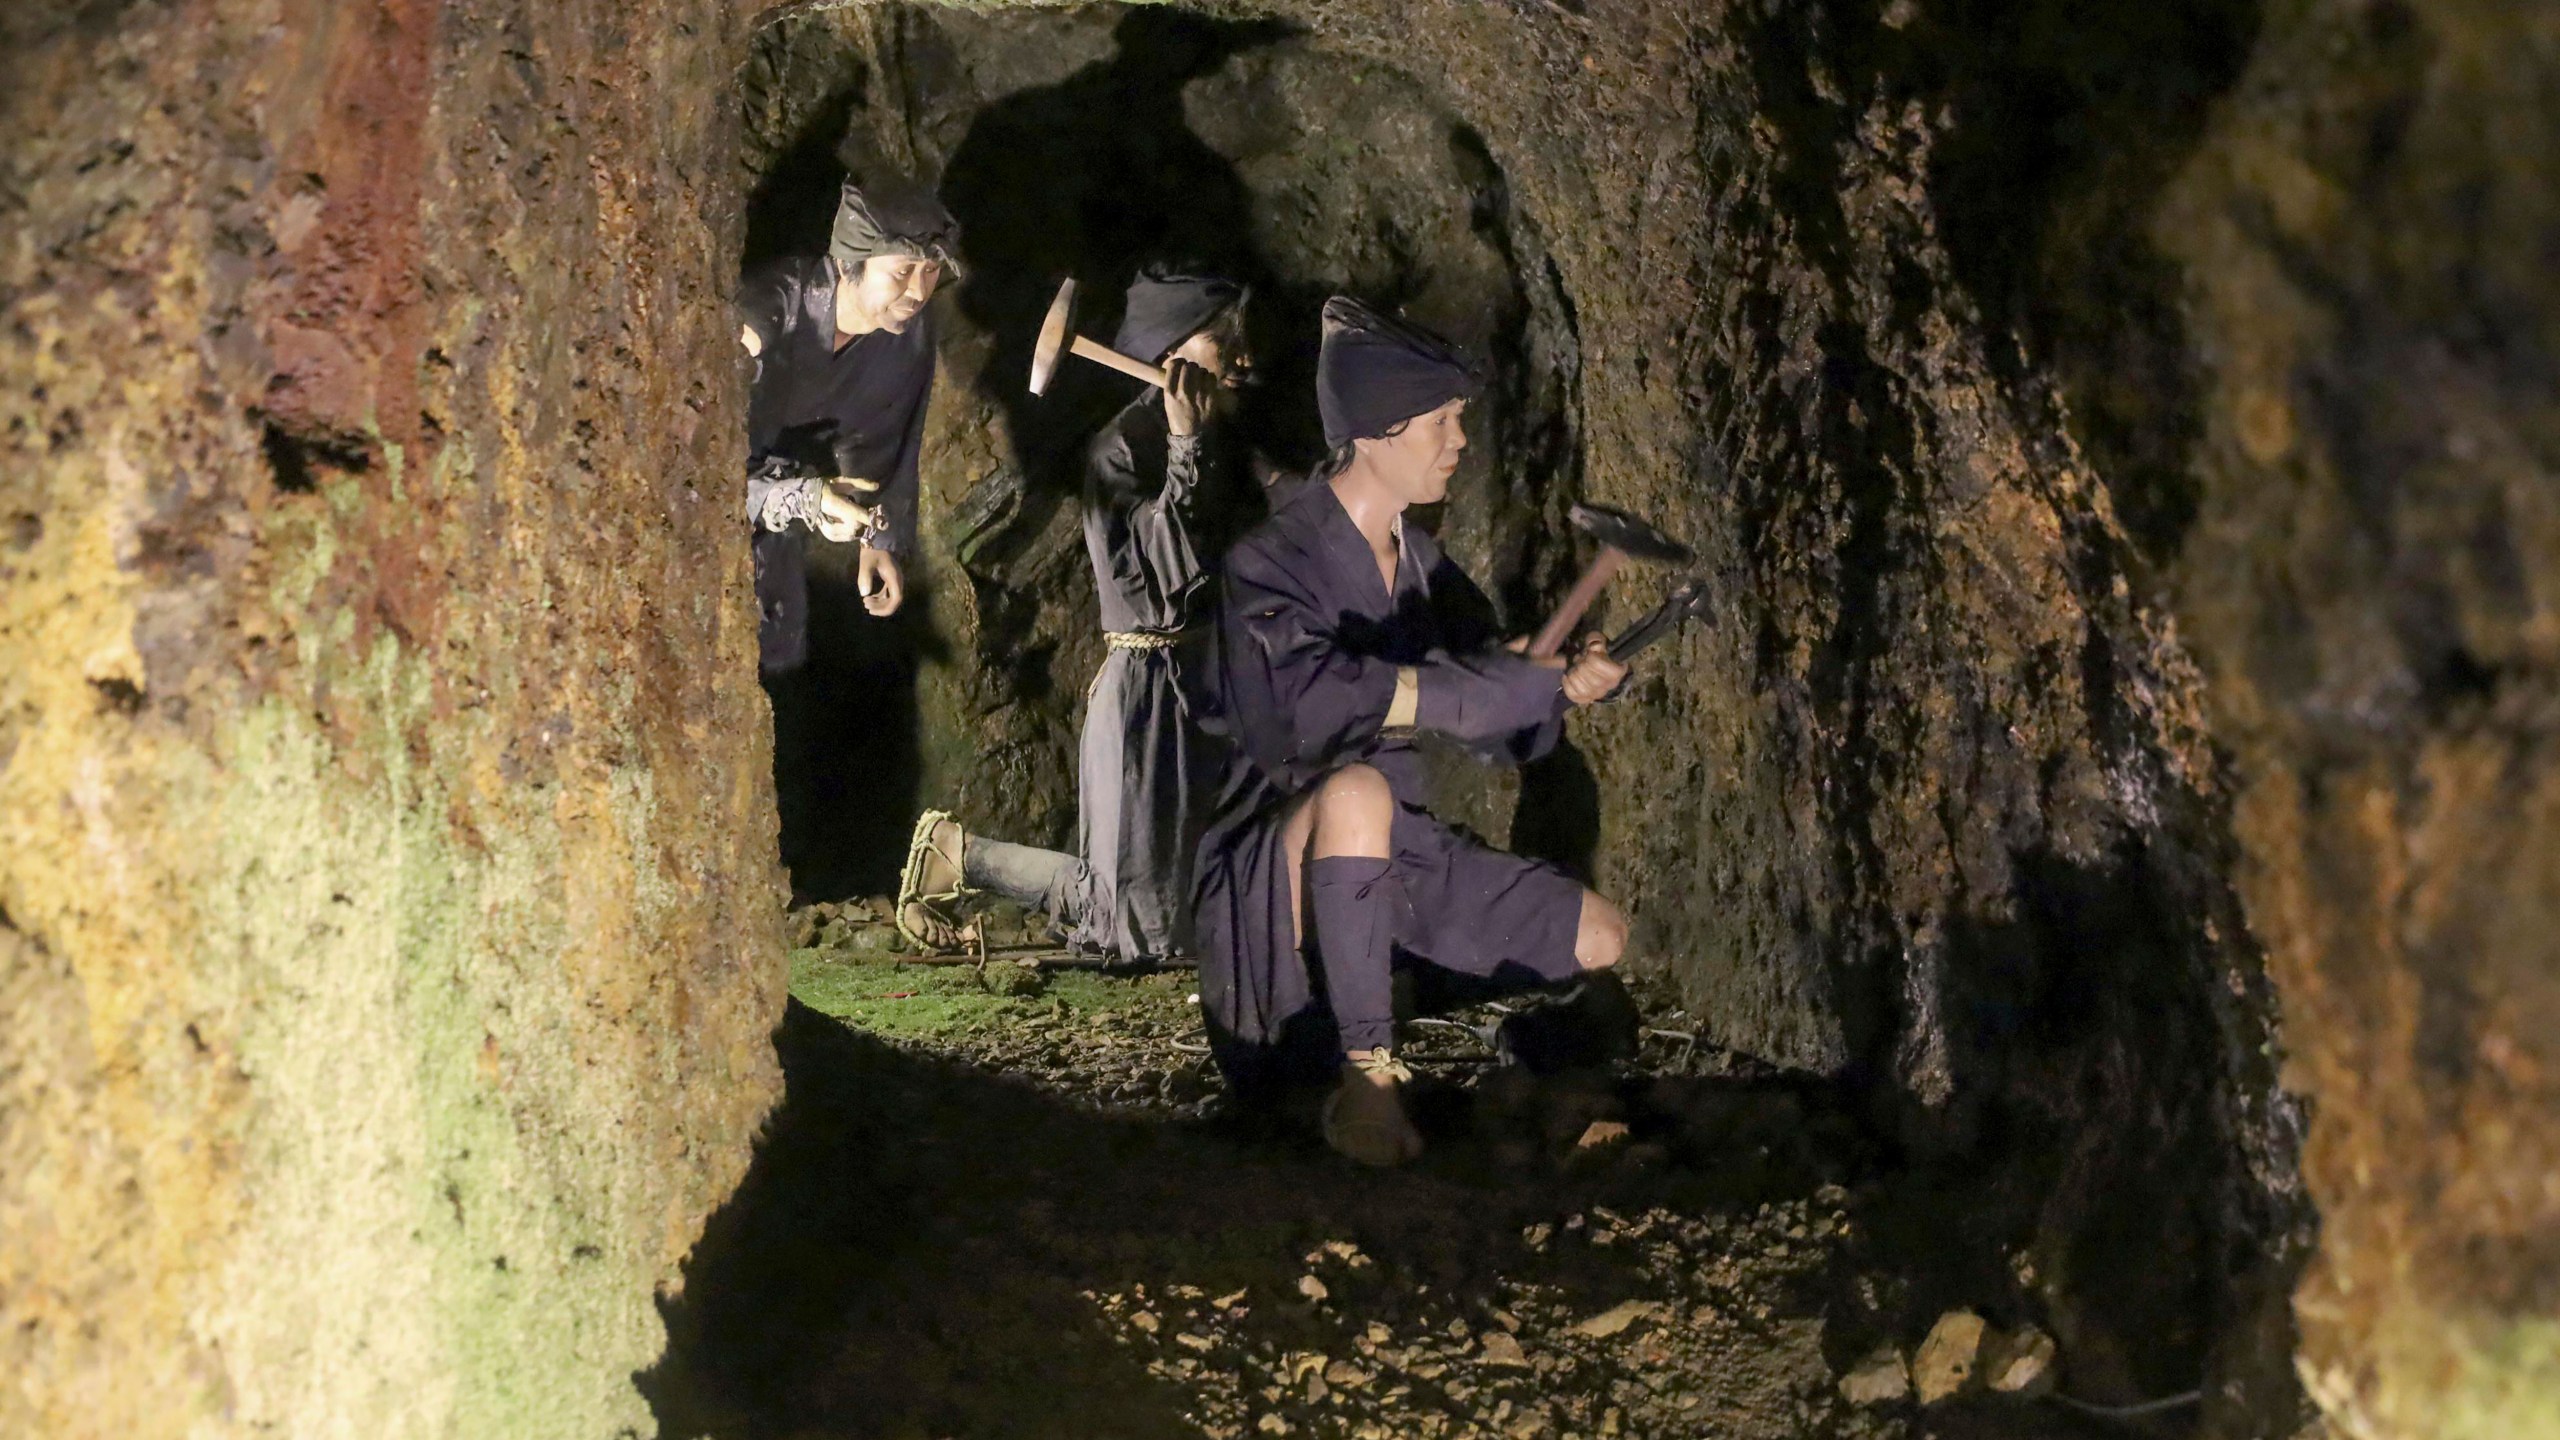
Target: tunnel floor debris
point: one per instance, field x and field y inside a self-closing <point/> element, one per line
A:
<point x="1004" y="1200"/>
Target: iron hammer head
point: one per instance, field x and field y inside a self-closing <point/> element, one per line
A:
<point x="1628" y="535"/>
<point x="1055" y="331"/>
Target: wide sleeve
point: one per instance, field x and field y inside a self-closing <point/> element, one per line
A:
<point x="1503" y="706"/>
<point x="1148" y="484"/>
<point x="898" y="490"/>
<point x="1299" y="701"/>
<point x="1187" y="463"/>
<point x="778" y="498"/>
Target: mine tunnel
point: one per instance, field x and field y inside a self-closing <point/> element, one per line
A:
<point x="2086" y="863"/>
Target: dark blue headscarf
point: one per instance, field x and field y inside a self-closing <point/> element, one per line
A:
<point x="893" y="217"/>
<point x="1375" y="372"/>
<point x="1167" y="307"/>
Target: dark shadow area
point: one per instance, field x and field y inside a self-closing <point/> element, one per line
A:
<point x="794" y="203"/>
<point x="925" y="1248"/>
<point x="846" y="737"/>
<point x="1557" y="818"/>
<point x="899" y="1219"/>
<point x="1091" y="178"/>
<point x="908" y="1220"/>
<point x="2084" y="1046"/>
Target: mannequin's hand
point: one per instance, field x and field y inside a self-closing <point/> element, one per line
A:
<point x="842" y="517"/>
<point x="1592" y="675"/>
<point x="882" y="588"/>
<point x="1189" y="393"/>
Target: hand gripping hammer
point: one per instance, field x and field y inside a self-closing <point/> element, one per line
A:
<point x="1622" y="537"/>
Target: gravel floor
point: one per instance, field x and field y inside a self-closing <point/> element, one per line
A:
<point x="1007" y="1201"/>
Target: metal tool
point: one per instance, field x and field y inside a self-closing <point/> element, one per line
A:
<point x="1622" y="537"/>
<point x="1687" y="601"/>
<point x="1058" y="337"/>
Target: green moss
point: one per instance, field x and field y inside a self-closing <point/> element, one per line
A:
<point x="444" y="1184"/>
<point x="2508" y="1388"/>
<point x="911" y="1002"/>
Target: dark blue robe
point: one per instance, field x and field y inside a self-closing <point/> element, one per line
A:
<point x="857" y="412"/>
<point x="1310" y="640"/>
<point x="1158" y="511"/>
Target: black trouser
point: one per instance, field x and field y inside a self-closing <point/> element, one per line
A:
<point x="782" y="600"/>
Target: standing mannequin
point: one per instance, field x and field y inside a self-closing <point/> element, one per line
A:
<point x="835" y="419"/>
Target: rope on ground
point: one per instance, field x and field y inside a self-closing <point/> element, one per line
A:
<point x="2143" y="1407"/>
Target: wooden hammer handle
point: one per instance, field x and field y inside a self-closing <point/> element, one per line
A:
<point x="1105" y="355"/>
<point x="1576" y="602"/>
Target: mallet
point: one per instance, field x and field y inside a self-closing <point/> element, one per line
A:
<point x="1622" y="537"/>
<point x="1057" y="336"/>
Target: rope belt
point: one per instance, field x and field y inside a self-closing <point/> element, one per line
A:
<point x="1144" y="639"/>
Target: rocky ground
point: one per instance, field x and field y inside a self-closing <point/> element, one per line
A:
<point x="1007" y="1200"/>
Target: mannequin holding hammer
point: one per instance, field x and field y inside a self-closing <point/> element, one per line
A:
<point x="1344" y="630"/>
<point x="1168" y="484"/>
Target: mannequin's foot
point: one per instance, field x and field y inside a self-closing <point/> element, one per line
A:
<point x="1364" y="1117"/>
<point x="929" y="888"/>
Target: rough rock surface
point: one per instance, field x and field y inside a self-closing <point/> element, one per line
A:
<point x="2366" y="242"/>
<point x="1930" y="800"/>
<point x="389" y="929"/>
<point x="2121" y="436"/>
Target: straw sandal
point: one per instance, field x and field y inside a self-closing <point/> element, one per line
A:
<point x="1365" y="1120"/>
<point x="926" y="918"/>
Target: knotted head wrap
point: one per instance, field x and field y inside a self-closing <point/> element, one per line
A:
<point x="1168" y="306"/>
<point x="893" y="217"/>
<point x="1375" y="372"/>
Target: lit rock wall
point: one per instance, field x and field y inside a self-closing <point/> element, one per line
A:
<point x="389" y="930"/>
<point x="2121" y="437"/>
<point x="2367" y="241"/>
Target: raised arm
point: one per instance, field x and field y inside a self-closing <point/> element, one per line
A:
<point x="1148" y="494"/>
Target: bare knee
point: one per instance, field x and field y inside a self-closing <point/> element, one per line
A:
<point x="1601" y="935"/>
<point x="1355" y="812"/>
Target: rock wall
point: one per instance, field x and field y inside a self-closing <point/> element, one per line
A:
<point x="2120" y="438"/>
<point x="389" y="929"/>
<point x="2366" y="243"/>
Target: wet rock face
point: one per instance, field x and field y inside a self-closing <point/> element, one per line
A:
<point x="388" y="923"/>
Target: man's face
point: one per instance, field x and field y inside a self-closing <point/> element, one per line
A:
<point x="892" y="288"/>
<point x="1222" y="353"/>
<point x="1418" y="460"/>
